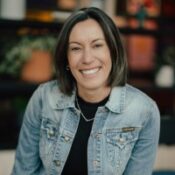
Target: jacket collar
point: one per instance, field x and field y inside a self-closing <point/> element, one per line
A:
<point x="58" y="100"/>
<point x="116" y="101"/>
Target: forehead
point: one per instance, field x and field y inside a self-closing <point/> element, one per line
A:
<point x="86" y="29"/>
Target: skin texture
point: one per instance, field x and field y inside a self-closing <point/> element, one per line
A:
<point x="89" y="60"/>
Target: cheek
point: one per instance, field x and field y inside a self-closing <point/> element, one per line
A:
<point x="69" y="59"/>
<point x="108" y="62"/>
<point x="73" y="60"/>
<point x="107" y="57"/>
<point x="73" y="65"/>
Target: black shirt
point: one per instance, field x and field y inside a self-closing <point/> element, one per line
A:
<point x="77" y="159"/>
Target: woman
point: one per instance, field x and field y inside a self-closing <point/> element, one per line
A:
<point x="89" y="121"/>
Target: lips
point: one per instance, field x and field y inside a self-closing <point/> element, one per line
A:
<point x="90" y="71"/>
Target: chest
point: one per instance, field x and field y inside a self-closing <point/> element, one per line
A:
<point x="110" y="143"/>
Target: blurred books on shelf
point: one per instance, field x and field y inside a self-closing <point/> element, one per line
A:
<point x="138" y="13"/>
<point x="141" y="52"/>
<point x="143" y="8"/>
<point x="40" y="15"/>
<point x="140" y="8"/>
<point x="134" y="23"/>
<point x="50" y="10"/>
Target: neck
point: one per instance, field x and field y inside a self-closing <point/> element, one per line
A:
<point x="94" y="96"/>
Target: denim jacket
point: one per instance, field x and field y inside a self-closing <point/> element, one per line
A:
<point x="123" y="139"/>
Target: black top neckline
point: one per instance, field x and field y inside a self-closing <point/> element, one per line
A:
<point x="82" y="102"/>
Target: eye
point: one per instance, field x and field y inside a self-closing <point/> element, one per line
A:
<point x="75" y="48"/>
<point x="98" y="45"/>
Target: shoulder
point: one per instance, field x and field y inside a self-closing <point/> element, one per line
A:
<point x="137" y="95"/>
<point x="128" y="95"/>
<point x="52" y="96"/>
<point x="129" y="98"/>
<point x="140" y="101"/>
<point x="50" y="88"/>
<point x="38" y="102"/>
<point x="53" y="84"/>
<point x="49" y="91"/>
<point x="147" y="109"/>
<point x="42" y="92"/>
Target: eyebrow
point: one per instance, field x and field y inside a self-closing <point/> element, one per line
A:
<point x="98" y="39"/>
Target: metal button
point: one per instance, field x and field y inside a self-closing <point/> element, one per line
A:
<point x="66" y="138"/>
<point x="97" y="136"/>
<point x="51" y="133"/>
<point x="95" y="163"/>
<point x="121" y="140"/>
<point x="57" y="162"/>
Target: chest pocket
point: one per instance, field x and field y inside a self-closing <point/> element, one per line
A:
<point x="49" y="134"/>
<point x="49" y="128"/>
<point x="119" y="145"/>
<point x="122" y="137"/>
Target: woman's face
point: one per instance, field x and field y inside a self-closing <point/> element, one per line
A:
<point x="89" y="56"/>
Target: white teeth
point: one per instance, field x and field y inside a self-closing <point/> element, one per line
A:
<point x="90" y="71"/>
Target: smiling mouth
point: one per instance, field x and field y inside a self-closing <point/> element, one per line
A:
<point x="90" y="71"/>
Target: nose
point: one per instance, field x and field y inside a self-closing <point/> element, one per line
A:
<point x="87" y="56"/>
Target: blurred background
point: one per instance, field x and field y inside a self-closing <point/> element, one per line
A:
<point x="28" y="34"/>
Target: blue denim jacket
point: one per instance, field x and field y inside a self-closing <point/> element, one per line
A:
<point x="123" y="139"/>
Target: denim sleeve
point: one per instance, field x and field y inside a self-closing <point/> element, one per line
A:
<point x="143" y="156"/>
<point x="27" y="159"/>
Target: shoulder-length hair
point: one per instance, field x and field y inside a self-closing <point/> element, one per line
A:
<point x="118" y="74"/>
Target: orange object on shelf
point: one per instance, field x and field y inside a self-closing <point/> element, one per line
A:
<point x="40" y="15"/>
<point x="67" y="5"/>
<point x="141" y="52"/>
<point x="38" y="68"/>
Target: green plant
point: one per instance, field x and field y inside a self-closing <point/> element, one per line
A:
<point x="18" y="54"/>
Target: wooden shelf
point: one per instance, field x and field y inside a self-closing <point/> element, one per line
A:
<point x="15" y="24"/>
<point x="138" y="31"/>
<point x="12" y="88"/>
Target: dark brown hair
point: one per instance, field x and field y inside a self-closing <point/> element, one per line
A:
<point x="118" y="74"/>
